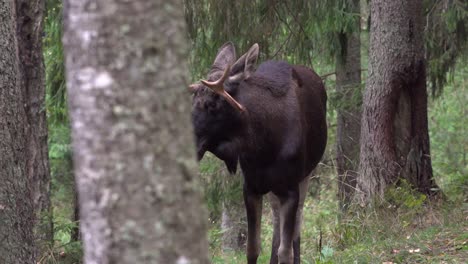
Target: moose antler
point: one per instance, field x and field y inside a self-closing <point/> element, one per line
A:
<point x="218" y="87"/>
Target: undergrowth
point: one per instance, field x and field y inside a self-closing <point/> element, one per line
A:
<point x="407" y="228"/>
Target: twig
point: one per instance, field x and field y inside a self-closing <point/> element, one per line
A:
<point x="332" y="73"/>
<point x="328" y="74"/>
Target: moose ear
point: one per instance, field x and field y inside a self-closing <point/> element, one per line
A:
<point x="245" y="65"/>
<point x="225" y="57"/>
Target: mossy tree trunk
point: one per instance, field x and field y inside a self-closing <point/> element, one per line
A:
<point x="26" y="224"/>
<point x="348" y="87"/>
<point x="132" y="140"/>
<point x="394" y="131"/>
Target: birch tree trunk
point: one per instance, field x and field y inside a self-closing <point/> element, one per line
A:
<point x="132" y="139"/>
<point x="25" y="216"/>
<point x="394" y="139"/>
<point x="348" y="87"/>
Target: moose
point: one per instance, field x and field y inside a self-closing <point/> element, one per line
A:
<point x="270" y="120"/>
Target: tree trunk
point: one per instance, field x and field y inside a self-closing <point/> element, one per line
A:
<point x="29" y="22"/>
<point x="233" y="226"/>
<point x="26" y="226"/>
<point x="233" y="218"/>
<point x="16" y="205"/>
<point x="348" y="87"/>
<point x="133" y="148"/>
<point x="394" y="139"/>
<point x="75" y="232"/>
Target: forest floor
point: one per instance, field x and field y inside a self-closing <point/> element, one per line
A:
<point x="418" y="233"/>
<point x="408" y="228"/>
<point x="444" y="241"/>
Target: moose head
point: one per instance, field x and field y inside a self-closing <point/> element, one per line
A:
<point x="216" y="115"/>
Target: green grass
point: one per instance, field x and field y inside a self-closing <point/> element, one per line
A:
<point x="426" y="245"/>
<point x="401" y="231"/>
<point x="435" y="235"/>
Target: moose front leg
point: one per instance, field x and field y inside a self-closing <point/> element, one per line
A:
<point x="253" y="206"/>
<point x="288" y="208"/>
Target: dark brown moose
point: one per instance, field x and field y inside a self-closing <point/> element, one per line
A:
<point x="271" y="121"/>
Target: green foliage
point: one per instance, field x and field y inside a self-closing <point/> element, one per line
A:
<point x="448" y="116"/>
<point x="446" y="39"/>
<point x="62" y="230"/>
<point x="337" y="100"/>
<point x="54" y="61"/>
<point x="296" y="31"/>
<point x="59" y="142"/>
<point x="62" y="196"/>
<point x="325" y="255"/>
<point x="219" y="186"/>
<point x="402" y="195"/>
<point x="62" y="192"/>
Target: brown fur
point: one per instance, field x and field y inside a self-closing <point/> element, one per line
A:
<point x="278" y="140"/>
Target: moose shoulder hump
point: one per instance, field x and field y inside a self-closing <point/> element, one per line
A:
<point x="274" y="76"/>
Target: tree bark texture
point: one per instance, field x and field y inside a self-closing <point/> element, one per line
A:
<point x="132" y="139"/>
<point x="394" y="131"/>
<point x="348" y="88"/>
<point x="234" y="226"/>
<point x="233" y="218"/>
<point x="26" y="224"/>
<point x="30" y="27"/>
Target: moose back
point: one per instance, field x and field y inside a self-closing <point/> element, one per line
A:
<point x="271" y="121"/>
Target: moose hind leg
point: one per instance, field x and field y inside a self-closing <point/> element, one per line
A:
<point x="275" y="214"/>
<point x="303" y="188"/>
<point x="253" y="206"/>
<point x="288" y="209"/>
